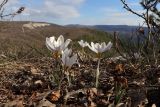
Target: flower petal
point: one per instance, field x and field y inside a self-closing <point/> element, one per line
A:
<point x="92" y="47"/>
<point x="97" y="47"/>
<point x="72" y="60"/>
<point x="109" y="45"/>
<point x="67" y="42"/>
<point x="67" y="52"/>
<point x="86" y="43"/>
<point x="82" y="43"/>
<point x="66" y="59"/>
<point x="52" y="39"/>
<point x="60" y="40"/>
<point x="64" y="45"/>
<point x="49" y="45"/>
<point x="63" y="58"/>
<point x="103" y="47"/>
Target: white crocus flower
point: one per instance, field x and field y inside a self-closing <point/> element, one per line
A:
<point x="82" y="43"/>
<point x="57" y="45"/>
<point x="67" y="59"/>
<point x="82" y="54"/>
<point x="100" y="48"/>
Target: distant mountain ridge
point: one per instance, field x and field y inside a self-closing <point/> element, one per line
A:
<point x="109" y="28"/>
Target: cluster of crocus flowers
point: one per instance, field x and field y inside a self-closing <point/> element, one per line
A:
<point x="59" y="48"/>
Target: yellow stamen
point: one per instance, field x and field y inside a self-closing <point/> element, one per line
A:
<point x="56" y="54"/>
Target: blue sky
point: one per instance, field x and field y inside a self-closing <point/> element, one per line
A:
<point x="87" y="12"/>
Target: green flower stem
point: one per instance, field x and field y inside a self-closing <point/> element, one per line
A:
<point x="69" y="80"/>
<point x="98" y="72"/>
<point x="62" y="76"/>
<point x="68" y="76"/>
<point x="83" y="50"/>
<point x="56" y="55"/>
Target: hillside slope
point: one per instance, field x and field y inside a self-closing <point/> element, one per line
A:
<point x="17" y="40"/>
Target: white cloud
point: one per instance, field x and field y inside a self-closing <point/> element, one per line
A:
<point x="56" y="9"/>
<point x="60" y="9"/>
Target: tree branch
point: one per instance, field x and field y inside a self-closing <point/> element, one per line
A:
<point x="129" y="9"/>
